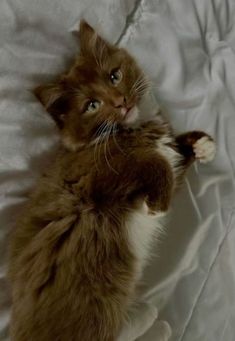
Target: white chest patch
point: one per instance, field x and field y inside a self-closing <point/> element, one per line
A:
<point x="143" y="230"/>
<point x="142" y="227"/>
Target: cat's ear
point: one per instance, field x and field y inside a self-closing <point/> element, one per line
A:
<point x="90" y="41"/>
<point x="54" y="98"/>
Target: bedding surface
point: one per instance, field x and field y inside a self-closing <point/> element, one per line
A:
<point x="187" y="48"/>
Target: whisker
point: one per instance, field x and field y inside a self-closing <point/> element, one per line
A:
<point x="109" y="133"/>
<point x="105" y="154"/>
<point x="102" y="139"/>
<point x="98" y="142"/>
<point x="142" y="83"/>
<point x="100" y="128"/>
<point x="115" y="140"/>
<point x="141" y="92"/>
<point x="138" y="80"/>
<point x="95" y="153"/>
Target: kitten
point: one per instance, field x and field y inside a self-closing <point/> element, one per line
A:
<point x="80" y="246"/>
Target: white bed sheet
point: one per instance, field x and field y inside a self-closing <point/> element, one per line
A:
<point x="187" y="47"/>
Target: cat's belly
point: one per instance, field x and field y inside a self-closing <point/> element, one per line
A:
<point x="143" y="231"/>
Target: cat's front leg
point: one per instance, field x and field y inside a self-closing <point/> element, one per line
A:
<point x="142" y="177"/>
<point x="196" y="145"/>
<point x="158" y="183"/>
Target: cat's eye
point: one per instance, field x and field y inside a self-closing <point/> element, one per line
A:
<point x="116" y="76"/>
<point x="93" y="106"/>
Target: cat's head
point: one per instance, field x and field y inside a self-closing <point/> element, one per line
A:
<point x="102" y="88"/>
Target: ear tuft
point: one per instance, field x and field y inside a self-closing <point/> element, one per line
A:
<point x="90" y="41"/>
<point x="85" y="28"/>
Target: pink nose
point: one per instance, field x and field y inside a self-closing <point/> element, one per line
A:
<point x="119" y="101"/>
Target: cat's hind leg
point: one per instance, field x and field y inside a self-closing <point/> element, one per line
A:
<point x="142" y="318"/>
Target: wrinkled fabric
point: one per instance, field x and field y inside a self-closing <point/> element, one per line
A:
<point x="187" y="48"/>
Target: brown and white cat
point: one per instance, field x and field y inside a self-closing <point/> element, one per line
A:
<point x="78" y="251"/>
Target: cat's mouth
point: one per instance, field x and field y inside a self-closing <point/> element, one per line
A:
<point x="130" y="114"/>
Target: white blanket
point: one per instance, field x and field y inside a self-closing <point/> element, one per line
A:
<point x="187" y="47"/>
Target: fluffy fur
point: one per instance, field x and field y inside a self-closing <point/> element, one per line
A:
<point x="80" y="245"/>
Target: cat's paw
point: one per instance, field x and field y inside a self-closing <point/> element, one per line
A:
<point x="141" y="317"/>
<point x="160" y="331"/>
<point x="165" y="331"/>
<point x="204" y="149"/>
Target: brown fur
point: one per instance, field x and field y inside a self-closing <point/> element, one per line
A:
<point x="71" y="266"/>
